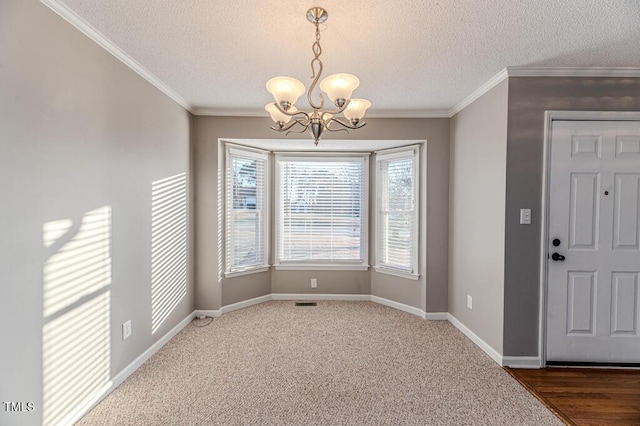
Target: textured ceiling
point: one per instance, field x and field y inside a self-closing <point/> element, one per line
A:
<point x="412" y="56"/>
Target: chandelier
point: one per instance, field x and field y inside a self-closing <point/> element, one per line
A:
<point x="337" y="87"/>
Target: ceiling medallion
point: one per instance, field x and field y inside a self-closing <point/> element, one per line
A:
<point x="337" y="87"/>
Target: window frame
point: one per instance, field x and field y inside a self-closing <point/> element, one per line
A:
<point x="313" y="264"/>
<point x="413" y="152"/>
<point x="232" y="150"/>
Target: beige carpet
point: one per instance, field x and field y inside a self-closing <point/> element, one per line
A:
<point x="337" y="363"/>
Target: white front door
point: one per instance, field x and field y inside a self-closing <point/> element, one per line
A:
<point x="593" y="281"/>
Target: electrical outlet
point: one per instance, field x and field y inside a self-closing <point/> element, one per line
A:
<point x="126" y="330"/>
<point x="525" y="216"/>
<point x="469" y="302"/>
<point x="314" y="283"/>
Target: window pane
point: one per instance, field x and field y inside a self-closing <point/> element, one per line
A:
<point x="245" y="177"/>
<point x="246" y="239"/>
<point x="397" y="239"/>
<point x="399" y="184"/>
<point x="320" y="216"/>
<point x="245" y="210"/>
<point x="397" y="220"/>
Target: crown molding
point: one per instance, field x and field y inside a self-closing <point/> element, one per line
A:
<point x="493" y="82"/>
<point x="84" y="27"/>
<point x="620" y="72"/>
<point x="221" y="112"/>
<point x="408" y="114"/>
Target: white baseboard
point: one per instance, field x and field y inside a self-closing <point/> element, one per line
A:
<point x="400" y="306"/>
<point x="245" y="303"/>
<point x="311" y="296"/>
<point x="82" y="409"/>
<point x="475" y="339"/>
<point x="436" y="316"/>
<point x="533" y="362"/>
<point x="207" y="313"/>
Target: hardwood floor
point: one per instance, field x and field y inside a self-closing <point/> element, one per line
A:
<point x="586" y="396"/>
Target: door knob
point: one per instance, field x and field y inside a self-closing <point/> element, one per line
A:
<point x="557" y="257"/>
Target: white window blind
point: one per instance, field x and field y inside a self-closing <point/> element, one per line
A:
<point x="397" y="210"/>
<point x="246" y="210"/>
<point x="321" y="210"/>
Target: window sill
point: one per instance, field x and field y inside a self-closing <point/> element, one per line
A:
<point x="395" y="273"/>
<point x="320" y="267"/>
<point x="255" y="270"/>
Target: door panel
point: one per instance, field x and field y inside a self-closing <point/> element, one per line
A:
<point x="583" y="219"/>
<point x="593" y="285"/>
<point x="624" y="306"/>
<point x="628" y="146"/>
<point x="586" y="146"/>
<point x="581" y="304"/>
<point x="626" y="211"/>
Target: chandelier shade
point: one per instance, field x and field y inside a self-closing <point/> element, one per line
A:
<point x="277" y="115"/>
<point x="337" y="87"/>
<point x="285" y="89"/>
<point x="356" y="109"/>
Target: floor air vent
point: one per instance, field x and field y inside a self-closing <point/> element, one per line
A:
<point x="306" y="304"/>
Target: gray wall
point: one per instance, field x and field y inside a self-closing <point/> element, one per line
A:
<point x="213" y="291"/>
<point x="476" y="226"/>
<point x="79" y="132"/>
<point x="528" y="99"/>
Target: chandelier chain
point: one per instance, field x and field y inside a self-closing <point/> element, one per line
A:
<point x="317" y="51"/>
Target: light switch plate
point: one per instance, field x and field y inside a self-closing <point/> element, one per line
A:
<point x="525" y="216"/>
<point x="126" y="330"/>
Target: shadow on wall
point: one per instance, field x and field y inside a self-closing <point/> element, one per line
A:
<point x="168" y="246"/>
<point x="76" y="334"/>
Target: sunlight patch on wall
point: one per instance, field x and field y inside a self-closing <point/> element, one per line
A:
<point x="76" y="335"/>
<point x="168" y="246"/>
<point x="82" y="265"/>
<point x="76" y="354"/>
<point x="54" y="230"/>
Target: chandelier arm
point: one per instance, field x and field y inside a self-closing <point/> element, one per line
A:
<point x="343" y="124"/>
<point x="339" y="110"/>
<point x="290" y="114"/>
<point x="328" y="129"/>
<point x="317" y="51"/>
<point x="291" y="124"/>
<point x="304" y="127"/>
